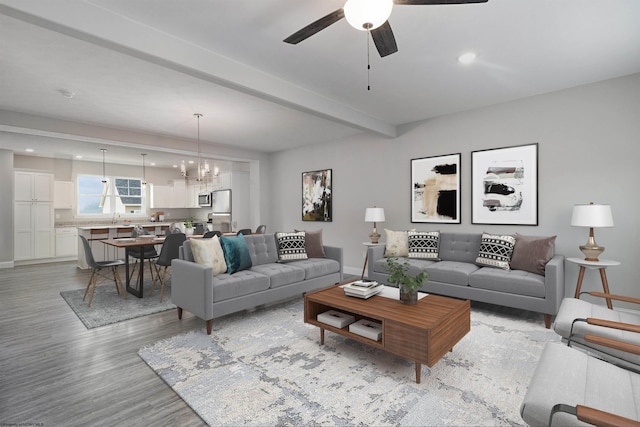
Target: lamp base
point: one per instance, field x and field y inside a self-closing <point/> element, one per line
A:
<point x="591" y="252"/>
<point x="375" y="237"/>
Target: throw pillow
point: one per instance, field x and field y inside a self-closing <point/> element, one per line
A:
<point x="313" y="244"/>
<point x="291" y="246"/>
<point x="208" y="252"/>
<point x="397" y="243"/>
<point x="531" y="253"/>
<point x="236" y="253"/>
<point x="423" y="244"/>
<point x="495" y="250"/>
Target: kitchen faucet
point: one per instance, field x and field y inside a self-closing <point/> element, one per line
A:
<point x="113" y="218"/>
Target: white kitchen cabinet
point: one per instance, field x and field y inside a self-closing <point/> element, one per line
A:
<point x="179" y="195"/>
<point x="63" y="195"/>
<point x="34" y="236"/>
<point x="33" y="186"/>
<point x="192" y="195"/>
<point x="161" y="197"/>
<point x="66" y="242"/>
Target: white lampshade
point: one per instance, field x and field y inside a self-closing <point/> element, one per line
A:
<point x="367" y="14"/>
<point x="374" y="215"/>
<point x="592" y="215"/>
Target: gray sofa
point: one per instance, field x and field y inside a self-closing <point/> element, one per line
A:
<point x="457" y="275"/>
<point x="194" y="287"/>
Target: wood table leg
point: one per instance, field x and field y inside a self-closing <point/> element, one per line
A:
<point x="605" y="286"/>
<point x="321" y="336"/>
<point x="418" y="372"/>
<point x="579" y="285"/>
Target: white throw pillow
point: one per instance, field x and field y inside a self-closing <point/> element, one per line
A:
<point x="397" y="243"/>
<point x="208" y="252"/>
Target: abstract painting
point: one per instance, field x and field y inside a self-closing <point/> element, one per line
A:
<point x="316" y="195"/>
<point x="504" y="185"/>
<point x="435" y="189"/>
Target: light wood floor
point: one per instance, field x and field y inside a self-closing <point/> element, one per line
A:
<point x="55" y="372"/>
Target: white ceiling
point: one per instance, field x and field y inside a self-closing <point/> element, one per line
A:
<point x="144" y="67"/>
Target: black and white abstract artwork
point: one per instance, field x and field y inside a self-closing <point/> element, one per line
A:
<point x="435" y="189"/>
<point x="316" y="195"/>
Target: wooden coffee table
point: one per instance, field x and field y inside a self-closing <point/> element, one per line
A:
<point x="423" y="332"/>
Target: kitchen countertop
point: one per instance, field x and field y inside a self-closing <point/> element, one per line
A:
<point x="121" y="225"/>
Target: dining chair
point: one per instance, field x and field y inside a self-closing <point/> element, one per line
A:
<point x="150" y="252"/>
<point x="243" y="231"/>
<point x="199" y="228"/>
<point x="170" y="251"/>
<point x="261" y="229"/>
<point x="210" y="234"/>
<point x="96" y="267"/>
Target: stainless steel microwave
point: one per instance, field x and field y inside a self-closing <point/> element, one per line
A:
<point x="204" y="199"/>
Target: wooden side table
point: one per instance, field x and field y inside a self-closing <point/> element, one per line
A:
<point x="594" y="265"/>
<point x="366" y="257"/>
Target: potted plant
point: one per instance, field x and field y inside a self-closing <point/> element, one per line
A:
<point x="188" y="225"/>
<point x="408" y="284"/>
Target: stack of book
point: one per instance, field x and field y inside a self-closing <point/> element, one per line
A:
<point x="363" y="288"/>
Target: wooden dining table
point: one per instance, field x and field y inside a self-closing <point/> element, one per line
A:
<point x="129" y="244"/>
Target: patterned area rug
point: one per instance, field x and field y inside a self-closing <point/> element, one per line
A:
<point x="267" y="368"/>
<point x="108" y="307"/>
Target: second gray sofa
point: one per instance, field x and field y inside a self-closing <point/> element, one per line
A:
<point x="457" y="275"/>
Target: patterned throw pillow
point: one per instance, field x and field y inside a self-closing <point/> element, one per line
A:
<point x="397" y="243"/>
<point x="496" y="250"/>
<point x="291" y="246"/>
<point x="423" y="244"/>
<point x="208" y="252"/>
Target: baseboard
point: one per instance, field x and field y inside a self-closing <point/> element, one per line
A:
<point x="352" y="270"/>
<point x="6" y="264"/>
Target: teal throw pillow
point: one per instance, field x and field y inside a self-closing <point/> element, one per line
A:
<point x="236" y="253"/>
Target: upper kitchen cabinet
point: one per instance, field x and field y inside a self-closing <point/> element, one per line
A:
<point x="63" y="195"/>
<point x="33" y="186"/>
<point x="162" y="197"/>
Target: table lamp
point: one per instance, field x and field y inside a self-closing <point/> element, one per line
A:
<point x="591" y="216"/>
<point x="374" y="215"/>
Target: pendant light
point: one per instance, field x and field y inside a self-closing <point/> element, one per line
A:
<point x="203" y="169"/>
<point x="144" y="173"/>
<point x="104" y="177"/>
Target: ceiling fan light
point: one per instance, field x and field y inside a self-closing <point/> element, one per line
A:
<point x="367" y="14"/>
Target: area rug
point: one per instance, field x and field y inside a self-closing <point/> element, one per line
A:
<point x="108" y="307"/>
<point x="267" y="368"/>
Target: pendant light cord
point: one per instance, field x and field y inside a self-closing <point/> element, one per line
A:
<point x="368" y="59"/>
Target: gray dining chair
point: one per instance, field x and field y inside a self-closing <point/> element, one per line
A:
<point x="96" y="267"/>
<point x="261" y="229"/>
<point x="149" y="253"/>
<point x="210" y="234"/>
<point x="243" y="231"/>
<point x="170" y="251"/>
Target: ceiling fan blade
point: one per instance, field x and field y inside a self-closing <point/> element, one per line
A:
<point x="384" y="40"/>
<point x="428" y="2"/>
<point x="315" y="27"/>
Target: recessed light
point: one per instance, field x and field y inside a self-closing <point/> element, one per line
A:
<point x="467" y="58"/>
<point x="152" y="164"/>
<point x="78" y="156"/>
<point x="29" y="150"/>
<point x="175" y="166"/>
<point x="191" y="162"/>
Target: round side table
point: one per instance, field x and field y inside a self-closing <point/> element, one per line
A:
<point x="366" y="257"/>
<point x="593" y="265"/>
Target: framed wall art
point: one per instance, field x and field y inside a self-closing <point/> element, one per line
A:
<point x="504" y="185"/>
<point x="316" y="195"/>
<point x="435" y="189"/>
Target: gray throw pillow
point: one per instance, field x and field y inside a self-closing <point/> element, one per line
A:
<point x="531" y="253"/>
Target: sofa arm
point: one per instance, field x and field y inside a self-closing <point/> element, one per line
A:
<point x="335" y="253"/>
<point x="192" y="288"/>
<point x="554" y="283"/>
<point x="374" y="253"/>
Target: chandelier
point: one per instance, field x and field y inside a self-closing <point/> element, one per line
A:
<point x="203" y="171"/>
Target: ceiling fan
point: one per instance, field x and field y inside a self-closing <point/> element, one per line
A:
<point x="371" y="16"/>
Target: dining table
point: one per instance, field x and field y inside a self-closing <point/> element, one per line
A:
<point x="132" y="244"/>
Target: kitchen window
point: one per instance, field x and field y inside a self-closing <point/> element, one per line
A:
<point x="118" y="195"/>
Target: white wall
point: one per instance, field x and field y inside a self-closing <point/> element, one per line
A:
<point x="589" y="150"/>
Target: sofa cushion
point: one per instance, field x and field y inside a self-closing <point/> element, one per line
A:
<point x="313" y="243"/>
<point x="397" y="243"/>
<point x="495" y="250"/>
<point x="531" y="253"/>
<point x="316" y="267"/>
<point x="236" y="253"/>
<point x="280" y="274"/>
<point x="423" y="244"/>
<point x="452" y="272"/>
<point x="291" y="246"/>
<point x="517" y="282"/>
<point x="262" y="248"/>
<point x="208" y="252"/>
<point x="227" y="286"/>
<point x="460" y="247"/>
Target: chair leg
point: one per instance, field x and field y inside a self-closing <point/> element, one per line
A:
<point x="93" y="272"/>
<point x="118" y="281"/>
<point x="113" y="273"/>
<point x="93" y="289"/>
<point x="162" y="282"/>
